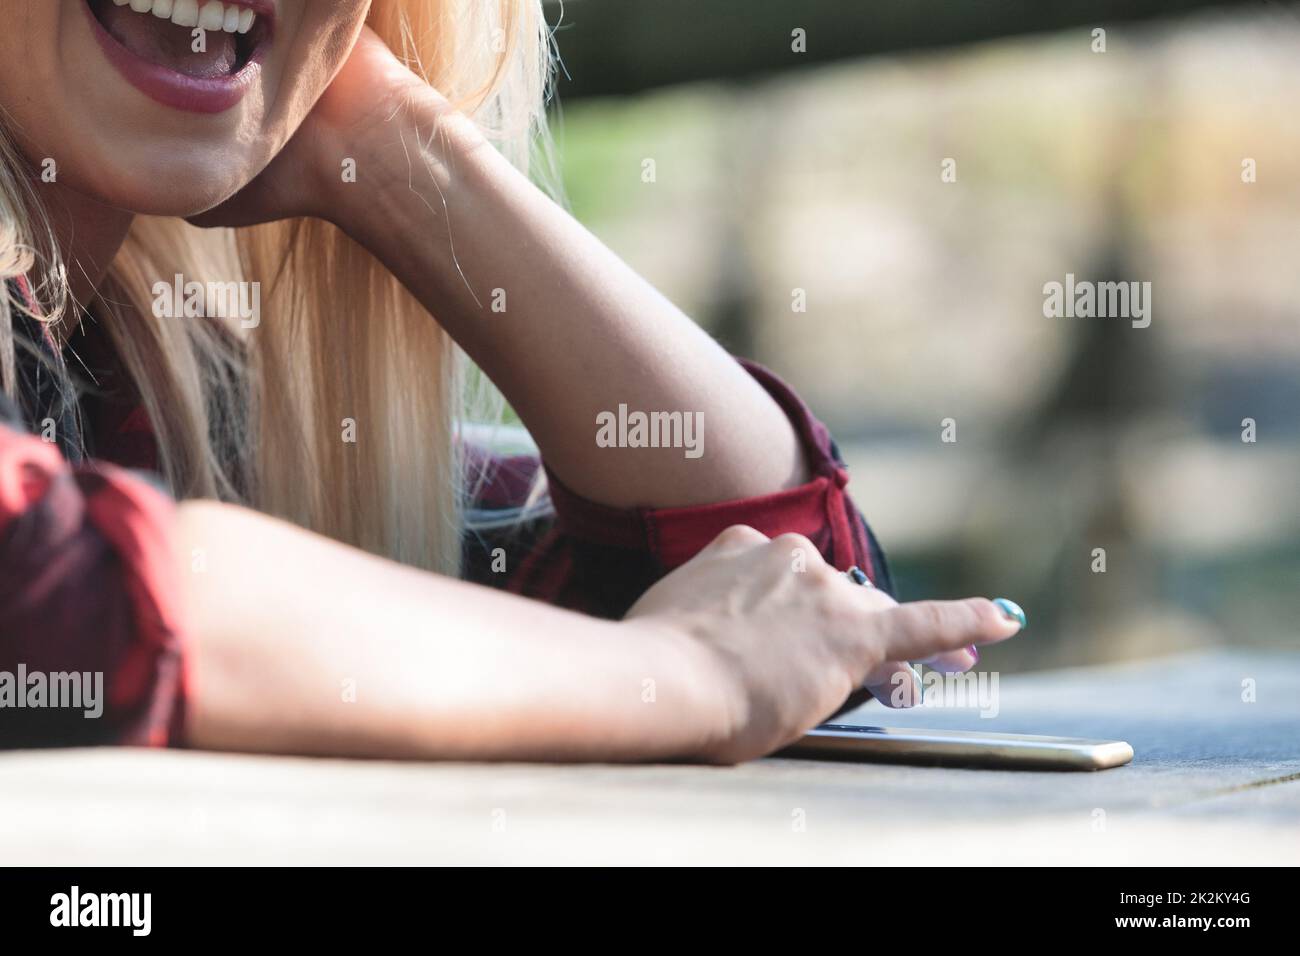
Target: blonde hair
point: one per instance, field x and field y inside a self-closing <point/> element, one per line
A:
<point x="340" y="338"/>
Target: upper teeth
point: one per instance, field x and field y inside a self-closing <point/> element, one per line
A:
<point x="212" y="15"/>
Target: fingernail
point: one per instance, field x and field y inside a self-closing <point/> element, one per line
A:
<point x="975" y="653"/>
<point x="918" y="689"/>
<point x="1011" y="611"/>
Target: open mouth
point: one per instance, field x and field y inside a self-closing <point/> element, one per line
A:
<point x="202" y="56"/>
<point x="162" y="32"/>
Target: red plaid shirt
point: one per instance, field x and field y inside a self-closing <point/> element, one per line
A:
<point x="88" y="578"/>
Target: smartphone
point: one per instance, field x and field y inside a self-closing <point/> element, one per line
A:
<point x="958" y="748"/>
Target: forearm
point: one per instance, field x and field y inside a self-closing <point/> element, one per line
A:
<point x="581" y="333"/>
<point x="302" y="645"/>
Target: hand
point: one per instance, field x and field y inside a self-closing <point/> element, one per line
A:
<point x="305" y="178"/>
<point x="787" y="648"/>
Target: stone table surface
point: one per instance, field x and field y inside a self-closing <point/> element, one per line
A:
<point x="1215" y="780"/>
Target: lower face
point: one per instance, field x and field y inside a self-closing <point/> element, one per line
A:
<point x="165" y="107"/>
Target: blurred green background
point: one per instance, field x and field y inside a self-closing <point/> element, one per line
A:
<point x="777" y="170"/>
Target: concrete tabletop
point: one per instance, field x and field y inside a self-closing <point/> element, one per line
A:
<point x="1215" y="780"/>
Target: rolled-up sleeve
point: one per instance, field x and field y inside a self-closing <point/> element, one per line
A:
<point x="88" y="592"/>
<point x="600" y="560"/>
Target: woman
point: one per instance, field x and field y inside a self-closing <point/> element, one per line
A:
<point x="318" y="586"/>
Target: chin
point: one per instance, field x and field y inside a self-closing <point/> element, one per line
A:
<point x="156" y="185"/>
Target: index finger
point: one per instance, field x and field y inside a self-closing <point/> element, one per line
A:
<point x="924" y="628"/>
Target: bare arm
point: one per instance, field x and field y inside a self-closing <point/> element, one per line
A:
<point x="744" y="653"/>
<point x="581" y="332"/>
<point x="302" y="645"/>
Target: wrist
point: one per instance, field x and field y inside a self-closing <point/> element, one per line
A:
<point x="699" y="688"/>
<point x="409" y="143"/>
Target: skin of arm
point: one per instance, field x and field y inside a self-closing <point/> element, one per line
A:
<point x="296" y="644"/>
<point x="310" y="647"/>
<point x="581" y="332"/>
<point x="302" y="645"/>
<point x="287" y="623"/>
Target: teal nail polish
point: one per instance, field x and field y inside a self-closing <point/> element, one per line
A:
<point x="1011" y="611"/>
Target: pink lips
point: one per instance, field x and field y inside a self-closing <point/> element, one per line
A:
<point x="173" y="89"/>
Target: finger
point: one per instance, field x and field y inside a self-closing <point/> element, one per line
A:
<point x="735" y="539"/>
<point x="896" y="684"/>
<point x="868" y="598"/>
<point x="954" y="662"/>
<point x="800" y="553"/>
<point x="926" y="628"/>
<point x="854" y="701"/>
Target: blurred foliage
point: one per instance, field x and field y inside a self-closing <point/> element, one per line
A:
<point x="631" y="46"/>
<point x="925" y="302"/>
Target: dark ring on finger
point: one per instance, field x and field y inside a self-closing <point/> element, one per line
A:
<point x="858" y="576"/>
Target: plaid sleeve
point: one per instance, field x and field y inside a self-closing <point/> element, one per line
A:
<point x="598" y="559"/>
<point x="90" y="631"/>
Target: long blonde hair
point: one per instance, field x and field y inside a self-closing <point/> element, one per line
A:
<point x="340" y="340"/>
